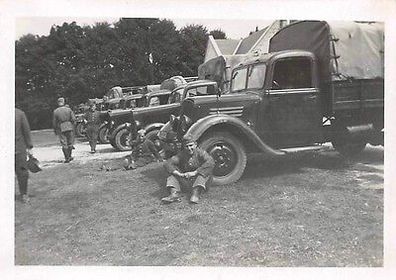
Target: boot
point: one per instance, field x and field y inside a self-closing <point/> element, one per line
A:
<point x="195" y="195"/>
<point x="66" y="154"/>
<point x="173" y="197"/>
<point x="70" y="153"/>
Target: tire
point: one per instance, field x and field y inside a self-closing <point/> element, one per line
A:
<point x="121" y="140"/>
<point x="103" y="136"/>
<point x="344" y="145"/>
<point x="80" y="129"/>
<point x="348" y="149"/>
<point x="229" y="155"/>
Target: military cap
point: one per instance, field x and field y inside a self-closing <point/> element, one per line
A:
<point x="61" y="100"/>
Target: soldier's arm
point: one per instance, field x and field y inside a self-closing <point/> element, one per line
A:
<point x="153" y="150"/>
<point x="54" y="123"/>
<point x="72" y="117"/>
<point x="207" y="163"/>
<point x="26" y="132"/>
<point x="171" y="165"/>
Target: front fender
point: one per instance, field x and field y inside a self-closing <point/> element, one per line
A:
<point x="118" y="128"/>
<point x="234" y="125"/>
<point x="152" y="126"/>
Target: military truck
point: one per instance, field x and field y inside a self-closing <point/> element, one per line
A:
<point x="153" y="116"/>
<point x="117" y="107"/>
<point x="321" y="82"/>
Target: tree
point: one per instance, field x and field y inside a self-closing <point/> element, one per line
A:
<point x="193" y="44"/>
<point x="84" y="62"/>
<point x="218" y="34"/>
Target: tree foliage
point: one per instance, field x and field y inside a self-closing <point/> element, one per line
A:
<point x="85" y="62"/>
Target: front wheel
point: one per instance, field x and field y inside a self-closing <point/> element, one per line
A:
<point x="229" y="155"/>
<point x="80" y="129"/>
<point x="121" y="140"/>
<point x="103" y="134"/>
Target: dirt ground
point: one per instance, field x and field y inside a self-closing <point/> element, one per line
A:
<point x="313" y="210"/>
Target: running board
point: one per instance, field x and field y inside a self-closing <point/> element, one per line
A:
<point x="302" y="149"/>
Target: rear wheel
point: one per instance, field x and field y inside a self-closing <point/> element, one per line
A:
<point x="348" y="149"/>
<point x="229" y="155"/>
<point x="345" y="144"/>
<point x="121" y="140"/>
<point x="103" y="134"/>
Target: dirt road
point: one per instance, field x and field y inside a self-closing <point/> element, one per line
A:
<point x="315" y="210"/>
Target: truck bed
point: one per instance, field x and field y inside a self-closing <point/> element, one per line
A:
<point x="357" y="94"/>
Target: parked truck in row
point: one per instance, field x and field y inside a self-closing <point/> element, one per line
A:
<point x="320" y="82"/>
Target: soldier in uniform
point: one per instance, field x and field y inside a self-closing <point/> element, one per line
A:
<point x="63" y="123"/>
<point x="92" y="119"/>
<point x="190" y="168"/>
<point x="143" y="152"/>
<point x="23" y="146"/>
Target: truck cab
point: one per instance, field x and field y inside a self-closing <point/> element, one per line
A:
<point x="275" y="107"/>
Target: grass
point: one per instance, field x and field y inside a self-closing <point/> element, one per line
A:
<point x="309" y="211"/>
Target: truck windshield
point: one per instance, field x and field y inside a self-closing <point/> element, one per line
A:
<point x="251" y="77"/>
<point x="239" y="79"/>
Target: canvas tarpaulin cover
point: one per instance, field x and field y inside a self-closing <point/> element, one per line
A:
<point x="344" y="49"/>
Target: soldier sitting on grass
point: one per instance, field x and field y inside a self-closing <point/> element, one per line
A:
<point x="191" y="169"/>
<point x="143" y="152"/>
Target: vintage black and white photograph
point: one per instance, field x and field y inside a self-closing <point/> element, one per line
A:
<point x="159" y="139"/>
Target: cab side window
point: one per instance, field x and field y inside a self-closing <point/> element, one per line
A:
<point x="292" y="73"/>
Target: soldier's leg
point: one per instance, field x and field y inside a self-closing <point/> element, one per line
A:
<point x="70" y="143"/>
<point x="173" y="184"/>
<point x="95" y="134"/>
<point x="63" y="142"/>
<point x="198" y="186"/>
<point x="22" y="173"/>
<point x="89" y="134"/>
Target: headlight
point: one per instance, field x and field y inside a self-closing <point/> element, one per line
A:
<point x="127" y="124"/>
<point x="112" y="123"/>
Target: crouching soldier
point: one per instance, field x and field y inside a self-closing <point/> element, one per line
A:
<point x="143" y="152"/>
<point x="190" y="168"/>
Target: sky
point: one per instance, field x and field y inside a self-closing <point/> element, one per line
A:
<point x="234" y="29"/>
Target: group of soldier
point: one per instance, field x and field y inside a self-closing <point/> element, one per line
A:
<point x="190" y="169"/>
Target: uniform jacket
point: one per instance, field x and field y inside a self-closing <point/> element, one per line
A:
<point x="23" y="138"/>
<point x="200" y="160"/>
<point x="64" y="119"/>
<point x="93" y="118"/>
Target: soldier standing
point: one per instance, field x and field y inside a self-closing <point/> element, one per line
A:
<point x="63" y="123"/>
<point x="23" y="146"/>
<point x="92" y="119"/>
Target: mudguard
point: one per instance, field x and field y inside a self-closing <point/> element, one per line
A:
<point x="202" y="125"/>
<point x="118" y="128"/>
<point x="152" y="126"/>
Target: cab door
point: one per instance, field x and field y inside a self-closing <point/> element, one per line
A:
<point x="294" y="105"/>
